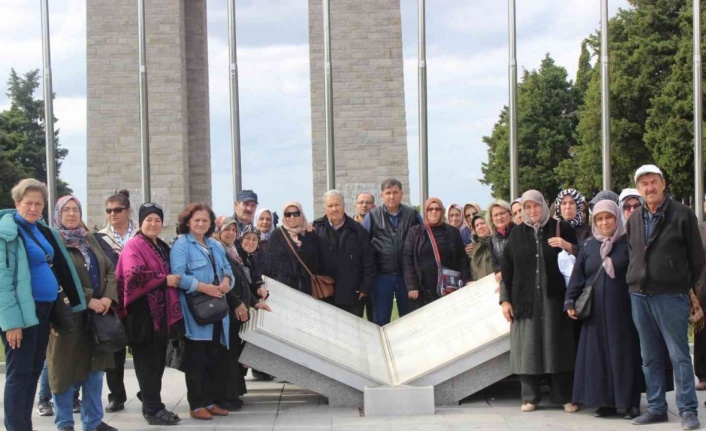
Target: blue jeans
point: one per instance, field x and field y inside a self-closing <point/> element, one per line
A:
<point x="24" y="365"/>
<point x="386" y="288"/>
<point x="663" y="320"/>
<point x="91" y="408"/>
<point x="45" y="391"/>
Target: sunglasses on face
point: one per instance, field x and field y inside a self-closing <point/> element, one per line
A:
<point x="292" y="214"/>
<point x="433" y="209"/>
<point x="117" y="210"/>
<point x="628" y="207"/>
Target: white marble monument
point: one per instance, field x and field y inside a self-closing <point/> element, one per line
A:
<point x="439" y="345"/>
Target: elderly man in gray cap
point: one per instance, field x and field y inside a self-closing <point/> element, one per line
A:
<point x="245" y="206"/>
<point x="666" y="259"/>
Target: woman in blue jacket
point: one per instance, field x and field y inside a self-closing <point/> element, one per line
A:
<point x="33" y="264"/>
<point x="201" y="262"/>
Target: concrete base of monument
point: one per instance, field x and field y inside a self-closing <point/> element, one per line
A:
<point x="338" y="394"/>
<point x="452" y="391"/>
<point x="399" y="400"/>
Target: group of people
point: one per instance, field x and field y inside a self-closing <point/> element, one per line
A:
<point x="641" y="255"/>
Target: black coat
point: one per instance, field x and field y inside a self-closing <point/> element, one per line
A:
<point x="347" y="256"/>
<point x="279" y="263"/>
<point x="413" y="256"/>
<point x="609" y="346"/>
<point x="672" y="259"/>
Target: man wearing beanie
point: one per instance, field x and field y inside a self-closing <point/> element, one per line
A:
<point x="666" y="259"/>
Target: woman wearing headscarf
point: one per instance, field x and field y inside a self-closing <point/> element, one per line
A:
<point x="499" y="219"/>
<point x="240" y="300"/>
<point x="470" y="210"/>
<point x="628" y="202"/>
<point x="569" y="207"/>
<point x="279" y="261"/>
<point x="34" y="265"/>
<point x="609" y="346"/>
<point x="150" y="307"/>
<point x="71" y="357"/>
<point x="481" y="260"/>
<point x="532" y="299"/>
<point x="422" y="274"/>
<point x="264" y="224"/>
<point x="516" y="208"/>
<point x="454" y="216"/>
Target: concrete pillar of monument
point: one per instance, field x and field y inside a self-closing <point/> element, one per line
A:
<point x="177" y="66"/>
<point x="370" y="129"/>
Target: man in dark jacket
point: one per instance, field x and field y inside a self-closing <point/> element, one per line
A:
<point x="666" y="259"/>
<point x="344" y="254"/>
<point x="388" y="225"/>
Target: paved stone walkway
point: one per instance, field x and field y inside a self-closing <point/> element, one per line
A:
<point x="279" y="406"/>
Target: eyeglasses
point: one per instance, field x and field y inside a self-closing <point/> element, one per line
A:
<point x="628" y="207"/>
<point x="433" y="209"/>
<point x="117" y="210"/>
<point x="500" y="215"/>
<point x="292" y="214"/>
<point x="70" y="211"/>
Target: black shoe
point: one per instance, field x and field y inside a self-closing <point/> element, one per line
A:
<point x="603" y="412"/>
<point x="162" y="417"/>
<point x="45" y="408"/>
<point x="104" y="427"/>
<point x="650" y="418"/>
<point x="114" y="406"/>
<point x="632" y="413"/>
<point x="232" y="406"/>
<point x="77" y="405"/>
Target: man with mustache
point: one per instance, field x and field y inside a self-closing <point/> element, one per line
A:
<point x="245" y="207"/>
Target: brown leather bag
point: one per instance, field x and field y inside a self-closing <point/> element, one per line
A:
<point x="322" y="286"/>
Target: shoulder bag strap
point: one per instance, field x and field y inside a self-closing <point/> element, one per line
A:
<point x="437" y="256"/>
<point x="36" y="241"/>
<point x="291" y="247"/>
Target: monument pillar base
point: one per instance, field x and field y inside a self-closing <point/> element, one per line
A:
<point x="400" y="400"/>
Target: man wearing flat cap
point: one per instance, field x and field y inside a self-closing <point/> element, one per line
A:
<point x="245" y="206"/>
<point x="666" y="259"/>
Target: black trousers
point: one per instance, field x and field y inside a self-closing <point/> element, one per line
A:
<point x="561" y="387"/>
<point x="206" y="369"/>
<point x="115" y="378"/>
<point x="150" y="359"/>
<point x="235" y="383"/>
<point x="24" y="365"/>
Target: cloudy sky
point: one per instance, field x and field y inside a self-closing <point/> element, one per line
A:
<point x="467" y="85"/>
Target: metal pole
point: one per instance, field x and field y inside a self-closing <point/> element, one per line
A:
<point x="605" y="95"/>
<point x="144" y="112"/>
<point x="422" y="102"/>
<point x="698" y="117"/>
<point x="512" y="83"/>
<point x="328" y="96"/>
<point x="234" y="102"/>
<point x="48" y="111"/>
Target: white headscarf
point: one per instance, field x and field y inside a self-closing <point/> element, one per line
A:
<point x="264" y="236"/>
<point x="534" y="196"/>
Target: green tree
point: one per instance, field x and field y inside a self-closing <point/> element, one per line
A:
<point x="643" y="42"/>
<point x="547" y="102"/>
<point x="22" y="140"/>
<point x="669" y="128"/>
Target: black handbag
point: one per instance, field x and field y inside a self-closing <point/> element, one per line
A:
<point x="584" y="304"/>
<point x="106" y="331"/>
<point x="61" y="316"/>
<point x="207" y="309"/>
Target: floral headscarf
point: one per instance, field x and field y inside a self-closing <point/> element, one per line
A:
<point x="580" y="205"/>
<point x="72" y="237"/>
<point x="222" y="222"/>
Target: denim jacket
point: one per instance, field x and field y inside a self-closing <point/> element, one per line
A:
<point x="190" y="261"/>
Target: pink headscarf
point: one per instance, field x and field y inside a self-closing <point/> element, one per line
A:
<point x="607" y="242"/>
<point x="301" y="227"/>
